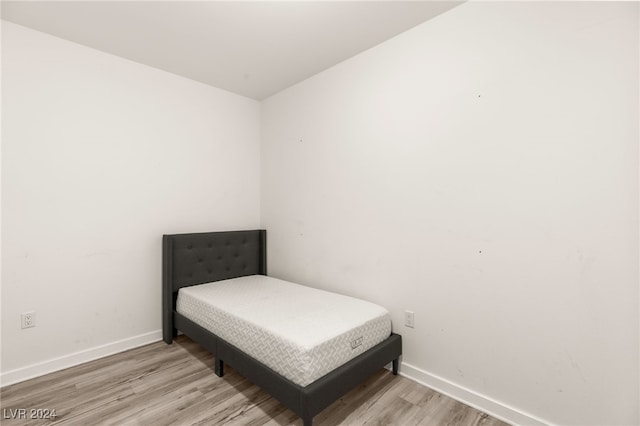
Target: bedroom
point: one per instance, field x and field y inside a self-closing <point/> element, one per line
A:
<point x="479" y="170"/>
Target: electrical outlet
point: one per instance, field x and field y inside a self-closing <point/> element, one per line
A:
<point x="28" y="319"/>
<point x="409" y="319"/>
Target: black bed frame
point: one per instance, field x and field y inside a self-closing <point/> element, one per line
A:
<point x="191" y="259"/>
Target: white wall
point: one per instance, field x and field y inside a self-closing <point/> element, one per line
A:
<point x="101" y="156"/>
<point x="480" y="170"/>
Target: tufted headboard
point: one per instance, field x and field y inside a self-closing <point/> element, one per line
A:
<point x="190" y="259"/>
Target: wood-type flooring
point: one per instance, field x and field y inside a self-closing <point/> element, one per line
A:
<point x="160" y="384"/>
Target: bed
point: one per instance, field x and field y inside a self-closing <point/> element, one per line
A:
<point x="233" y="259"/>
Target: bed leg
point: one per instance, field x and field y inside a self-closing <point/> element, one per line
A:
<point x="307" y="421"/>
<point x="169" y="335"/>
<point x="219" y="367"/>
<point x="395" y="363"/>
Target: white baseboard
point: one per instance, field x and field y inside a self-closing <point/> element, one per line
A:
<point x="480" y="402"/>
<point x="77" y="358"/>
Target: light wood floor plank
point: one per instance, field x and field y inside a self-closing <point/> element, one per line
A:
<point x="161" y="384"/>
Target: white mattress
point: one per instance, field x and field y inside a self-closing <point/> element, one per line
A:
<point x="300" y="332"/>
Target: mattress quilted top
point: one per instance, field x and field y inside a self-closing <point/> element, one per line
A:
<point x="298" y="331"/>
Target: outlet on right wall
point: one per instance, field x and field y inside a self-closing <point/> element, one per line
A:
<point x="480" y="170"/>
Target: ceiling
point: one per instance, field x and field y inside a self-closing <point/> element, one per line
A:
<point x="252" y="48"/>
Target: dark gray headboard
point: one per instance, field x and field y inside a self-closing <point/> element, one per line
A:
<point x="190" y="259"/>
